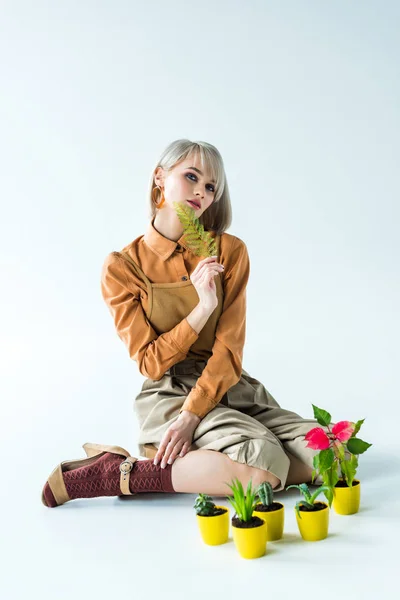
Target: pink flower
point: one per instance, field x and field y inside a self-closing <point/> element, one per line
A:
<point x="343" y="430"/>
<point x="317" y="439"/>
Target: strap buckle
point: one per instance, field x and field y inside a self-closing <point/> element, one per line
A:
<point x="125" y="468"/>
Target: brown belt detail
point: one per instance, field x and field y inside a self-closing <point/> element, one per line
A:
<point x="186" y="367"/>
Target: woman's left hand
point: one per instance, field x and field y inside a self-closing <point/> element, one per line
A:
<point x="177" y="439"/>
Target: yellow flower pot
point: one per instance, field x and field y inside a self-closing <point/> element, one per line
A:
<point x="214" y="529"/>
<point x="275" y="520"/>
<point x="313" y="525"/>
<point x="346" y="500"/>
<point x="250" y="542"/>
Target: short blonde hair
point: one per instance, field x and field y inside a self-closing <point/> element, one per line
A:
<point x="218" y="216"/>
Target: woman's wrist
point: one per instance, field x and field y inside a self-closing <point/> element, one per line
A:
<point x="198" y="317"/>
<point x="190" y="416"/>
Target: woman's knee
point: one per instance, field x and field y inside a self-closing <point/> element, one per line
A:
<point x="278" y="461"/>
<point x="257" y="476"/>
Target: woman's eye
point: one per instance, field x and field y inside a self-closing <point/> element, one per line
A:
<point x="211" y="186"/>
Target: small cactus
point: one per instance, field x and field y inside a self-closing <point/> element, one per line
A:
<point x="204" y="505"/>
<point x="265" y="493"/>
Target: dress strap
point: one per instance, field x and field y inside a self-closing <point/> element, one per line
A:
<point x="137" y="269"/>
<point x="143" y="276"/>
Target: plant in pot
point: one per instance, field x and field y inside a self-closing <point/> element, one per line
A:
<point x="339" y="449"/>
<point x="249" y="532"/>
<point x="273" y="513"/>
<point x="213" y="520"/>
<point x="312" y="517"/>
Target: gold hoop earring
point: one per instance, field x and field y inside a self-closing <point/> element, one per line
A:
<point x="162" y="201"/>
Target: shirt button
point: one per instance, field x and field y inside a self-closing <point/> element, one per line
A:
<point x="184" y="278"/>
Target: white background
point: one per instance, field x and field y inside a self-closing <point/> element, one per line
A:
<point x="302" y="100"/>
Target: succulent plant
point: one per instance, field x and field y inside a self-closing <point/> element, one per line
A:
<point x="204" y="505"/>
<point x="309" y="499"/>
<point x="265" y="493"/>
<point x="243" y="504"/>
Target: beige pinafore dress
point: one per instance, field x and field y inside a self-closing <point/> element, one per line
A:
<point x="247" y="424"/>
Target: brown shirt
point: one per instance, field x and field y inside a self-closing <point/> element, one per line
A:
<point x="155" y="350"/>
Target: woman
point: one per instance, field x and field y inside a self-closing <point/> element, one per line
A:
<point x="203" y="419"/>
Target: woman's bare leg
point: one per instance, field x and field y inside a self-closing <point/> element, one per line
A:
<point x="206" y="471"/>
<point x="298" y="471"/>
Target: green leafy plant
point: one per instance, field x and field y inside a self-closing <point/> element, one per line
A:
<point x="309" y="499"/>
<point x="339" y="449"/>
<point x="243" y="503"/>
<point x="204" y="505"/>
<point x="200" y="242"/>
<point x="265" y="493"/>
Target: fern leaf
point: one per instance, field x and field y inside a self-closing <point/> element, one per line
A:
<point x="200" y="242"/>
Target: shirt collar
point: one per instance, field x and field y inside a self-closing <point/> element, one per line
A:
<point x="161" y="245"/>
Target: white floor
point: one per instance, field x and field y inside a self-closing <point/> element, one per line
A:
<point x="149" y="545"/>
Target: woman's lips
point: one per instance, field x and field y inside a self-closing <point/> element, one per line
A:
<point x="193" y="204"/>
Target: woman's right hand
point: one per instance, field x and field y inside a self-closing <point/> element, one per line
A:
<point x="203" y="280"/>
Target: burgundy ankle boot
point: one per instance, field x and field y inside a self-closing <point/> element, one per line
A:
<point x="105" y="474"/>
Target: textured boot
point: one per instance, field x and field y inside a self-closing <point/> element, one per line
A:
<point x="108" y="471"/>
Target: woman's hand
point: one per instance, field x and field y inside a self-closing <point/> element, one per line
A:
<point x="177" y="439"/>
<point x="204" y="283"/>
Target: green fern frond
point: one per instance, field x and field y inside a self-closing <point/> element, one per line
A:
<point x="200" y="242"/>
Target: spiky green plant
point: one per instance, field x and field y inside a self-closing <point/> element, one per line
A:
<point x="308" y="498"/>
<point x="204" y="505"/>
<point x="200" y="242"/>
<point x="243" y="503"/>
<point x="265" y="493"/>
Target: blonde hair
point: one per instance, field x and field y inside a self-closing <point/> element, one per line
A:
<point x="218" y="216"/>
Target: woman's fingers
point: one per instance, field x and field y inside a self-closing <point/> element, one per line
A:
<point x="185" y="449"/>
<point x="209" y="259"/>
<point x="162" y="447"/>
<point x="170" y="453"/>
<point x="207" y="275"/>
<point x="211" y="268"/>
<point x="177" y="440"/>
<point x="175" y="451"/>
<point x="165" y="448"/>
<point x="206" y="266"/>
<point x="167" y="452"/>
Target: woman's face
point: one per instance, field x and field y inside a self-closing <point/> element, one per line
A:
<point x="184" y="182"/>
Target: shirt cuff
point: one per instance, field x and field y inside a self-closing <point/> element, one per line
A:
<point x="184" y="336"/>
<point x="198" y="403"/>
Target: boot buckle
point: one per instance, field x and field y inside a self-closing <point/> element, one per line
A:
<point x="126" y="466"/>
